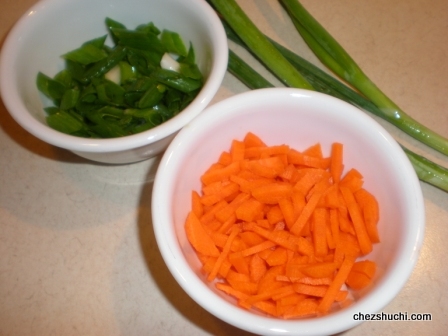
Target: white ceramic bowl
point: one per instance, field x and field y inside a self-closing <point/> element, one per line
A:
<point x="53" y="27"/>
<point x="298" y="118"/>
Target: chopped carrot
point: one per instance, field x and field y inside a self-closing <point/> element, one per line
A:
<point x="251" y="238"/>
<point x="352" y="180"/>
<point x="280" y="230"/>
<point x="266" y="244"/>
<point x="252" y="140"/>
<point x="272" y="193"/>
<point x="358" y="222"/>
<point x="336" y="165"/>
<point x="196" y="205"/>
<point x="278" y="257"/>
<point x="357" y="280"/>
<point x="366" y="267"/>
<point x="370" y="210"/>
<point x="237" y="150"/>
<point x="249" y="210"/>
<point x="314" y="150"/>
<point x="223" y="255"/>
<point x="275" y="215"/>
<point x="257" y="268"/>
<point x="221" y="193"/>
<point x="319" y="220"/>
<point x="306" y="307"/>
<point x="199" y="238"/>
<point x="320" y="270"/>
<point x="230" y="290"/>
<point x="220" y="174"/>
<point x="225" y="158"/>
<point x="334" y="288"/>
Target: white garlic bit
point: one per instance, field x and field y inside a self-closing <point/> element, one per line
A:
<point x="169" y="63"/>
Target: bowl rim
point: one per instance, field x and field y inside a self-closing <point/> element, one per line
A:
<point x="19" y="112"/>
<point x="175" y="260"/>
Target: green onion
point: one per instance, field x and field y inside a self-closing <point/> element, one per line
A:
<point x="331" y="53"/>
<point x="113" y="91"/>
<point x="173" y="43"/>
<point x="427" y="171"/>
<point x="245" y="73"/>
<point x="259" y="44"/>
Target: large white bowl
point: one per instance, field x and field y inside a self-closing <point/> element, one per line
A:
<point x="53" y="27"/>
<point x="298" y="118"/>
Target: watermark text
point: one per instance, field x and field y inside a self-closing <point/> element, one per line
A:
<point x="401" y="316"/>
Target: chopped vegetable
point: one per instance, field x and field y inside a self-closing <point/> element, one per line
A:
<point x="280" y="234"/>
<point x="145" y="79"/>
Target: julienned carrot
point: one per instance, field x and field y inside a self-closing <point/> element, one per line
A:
<point x="280" y="230"/>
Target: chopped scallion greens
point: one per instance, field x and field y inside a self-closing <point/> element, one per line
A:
<point x="106" y="92"/>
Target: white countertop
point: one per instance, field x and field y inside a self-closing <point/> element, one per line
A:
<point x="77" y="249"/>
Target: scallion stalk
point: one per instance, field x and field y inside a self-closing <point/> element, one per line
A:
<point x="427" y="171"/>
<point x="333" y="55"/>
<point x="259" y="44"/>
<point x="247" y="75"/>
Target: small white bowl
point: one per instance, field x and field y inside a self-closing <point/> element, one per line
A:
<point x="300" y="119"/>
<point x="53" y="27"/>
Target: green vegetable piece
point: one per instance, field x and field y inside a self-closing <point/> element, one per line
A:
<point x="152" y="96"/>
<point x="75" y="69"/>
<point x="111" y="24"/>
<point x="150" y="115"/>
<point x="127" y="71"/>
<point x="188" y="66"/>
<point x="144" y="62"/>
<point x="100" y="68"/>
<point x="110" y="92"/>
<point x="105" y="114"/>
<point x="148" y="28"/>
<point x="190" y="58"/>
<point x="51" y="110"/>
<point x="173" y="43"/>
<point x="64" y="122"/>
<point x="190" y="71"/>
<point x="69" y="99"/>
<point x="88" y="94"/>
<point x="108" y="130"/>
<point x="97" y="42"/>
<point x="50" y="87"/>
<point x="176" y="80"/>
<point x="86" y="54"/>
<point x="64" y="77"/>
<point x="138" y="40"/>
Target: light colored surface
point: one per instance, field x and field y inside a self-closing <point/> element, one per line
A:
<point x="299" y="118"/>
<point x="35" y="45"/>
<point x="78" y="255"/>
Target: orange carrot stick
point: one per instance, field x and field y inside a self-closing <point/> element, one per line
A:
<point x="335" y="286"/>
<point x="199" y="238"/>
<point x="225" y="251"/>
<point x="336" y="165"/>
<point x="358" y="222"/>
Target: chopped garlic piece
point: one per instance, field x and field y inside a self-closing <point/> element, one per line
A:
<point x="169" y="63"/>
<point x="114" y="75"/>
